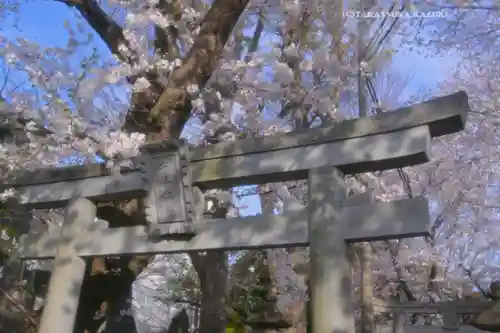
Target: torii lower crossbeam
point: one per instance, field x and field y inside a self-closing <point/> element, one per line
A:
<point x="426" y="329"/>
<point x="378" y="221"/>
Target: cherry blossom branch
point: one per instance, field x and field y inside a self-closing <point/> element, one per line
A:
<point x="19" y="307"/>
<point x="174" y="105"/>
<point x="483" y="292"/>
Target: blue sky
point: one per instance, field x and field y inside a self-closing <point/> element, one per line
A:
<point x="38" y="25"/>
<point x="42" y="21"/>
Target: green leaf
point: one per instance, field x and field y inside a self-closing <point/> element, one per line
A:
<point x="236" y="328"/>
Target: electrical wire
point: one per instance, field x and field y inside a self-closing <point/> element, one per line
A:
<point x="404" y="177"/>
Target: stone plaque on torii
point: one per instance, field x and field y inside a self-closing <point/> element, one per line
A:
<point x="169" y="177"/>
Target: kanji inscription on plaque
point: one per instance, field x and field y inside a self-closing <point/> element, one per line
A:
<point x="166" y="200"/>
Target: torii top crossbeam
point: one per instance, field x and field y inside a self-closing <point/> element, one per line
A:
<point x="384" y="141"/>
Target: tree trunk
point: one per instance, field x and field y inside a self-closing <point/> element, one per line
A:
<point x="11" y="318"/>
<point x="212" y="271"/>
<point x="364" y="252"/>
<point x="16" y="304"/>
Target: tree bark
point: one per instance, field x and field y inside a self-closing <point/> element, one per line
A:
<point x="16" y="304"/>
<point x="173" y="107"/>
<point x="364" y="252"/>
<point x="12" y="310"/>
<point x="212" y="271"/>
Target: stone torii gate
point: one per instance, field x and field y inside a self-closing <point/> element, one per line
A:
<point x="450" y="310"/>
<point x="168" y="176"/>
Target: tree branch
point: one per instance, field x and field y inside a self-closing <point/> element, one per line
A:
<point x="165" y="37"/>
<point x="107" y="28"/>
<point x="20" y="307"/>
<point x="173" y="107"/>
<point x="483" y="292"/>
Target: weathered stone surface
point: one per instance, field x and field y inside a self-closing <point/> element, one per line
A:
<point x="382" y="220"/>
<point x="330" y="263"/>
<point x="486" y="314"/>
<point x="165" y="200"/>
<point x="425" y="329"/>
<point x="444" y="115"/>
<point x="60" y="311"/>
